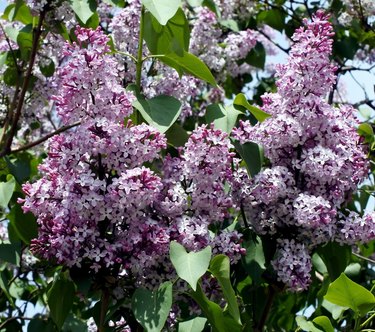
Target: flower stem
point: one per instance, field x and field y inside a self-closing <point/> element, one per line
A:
<point x="103" y="309"/>
<point x="267" y="309"/>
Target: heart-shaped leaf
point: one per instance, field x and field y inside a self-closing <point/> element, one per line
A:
<point x="151" y="309"/>
<point x="189" y="266"/>
<point x="162" y="10"/>
<point x="346" y="293"/>
<point x="160" y="112"/>
<point x="223" y="117"/>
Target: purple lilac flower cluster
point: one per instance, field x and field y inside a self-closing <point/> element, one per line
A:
<point x="221" y="52"/>
<point x="83" y="216"/>
<point x="316" y="158"/>
<point x="97" y="205"/>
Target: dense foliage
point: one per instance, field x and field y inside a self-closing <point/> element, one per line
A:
<point x="159" y="172"/>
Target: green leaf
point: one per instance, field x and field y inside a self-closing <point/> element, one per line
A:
<point x="74" y="324"/>
<point x="335" y="257"/>
<point x="211" y="5"/>
<point x="11" y="76"/>
<point x="274" y="18"/>
<point x="12" y="33"/>
<point x="335" y="310"/>
<point x="60" y="299"/>
<point x="230" y="24"/>
<point x="220" y="269"/>
<point x="223" y="117"/>
<point x="323" y="323"/>
<point x="118" y="3"/>
<point x="4" y="281"/>
<point x="254" y="262"/>
<point x="176" y="135"/>
<point x="365" y="130"/>
<point x="6" y="191"/>
<point x="172" y="37"/>
<point x="151" y="309"/>
<point x="190" y="64"/>
<point x="160" y="112"/>
<point x="24" y="224"/>
<point x="195" y="3"/>
<point x="346" y="293"/>
<point x="48" y="69"/>
<point x="25" y="41"/>
<point x="84" y="9"/>
<point x="257" y="56"/>
<point x="22" y="13"/>
<point x="3" y="58"/>
<point x="189" y="266"/>
<point x="22" y="166"/>
<point x="18" y="288"/>
<point x="215" y="315"/>
<point x="252" y="154"/>
<point x="304" y="325"/>
<point x="10" y="253"/>
<point x="241" y="100"/>
<point x="193" y="325"/>
<point x="40" y="325"/>
<point x="162" y="10"/>
<point x="346" y="47"/>
<point x="92" y="22"/>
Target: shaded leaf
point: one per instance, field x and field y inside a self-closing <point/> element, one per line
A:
<point x="172" y="37"/>
<point x="151" y="309"/>
<point x="335" y="257"/>
<point x="60" y="299"/>
<point x="252" y="154"/>
<point x="10" y="253"/>
<point x="160" y="112"/>
<point x="176" y="135"/>
<point x="24" y="224"/>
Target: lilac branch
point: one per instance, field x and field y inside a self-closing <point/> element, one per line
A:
<point x="13" y="129"/>
<point x="44" y="138"/>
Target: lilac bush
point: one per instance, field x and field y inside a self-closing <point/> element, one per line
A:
<point x="185" y="180"/>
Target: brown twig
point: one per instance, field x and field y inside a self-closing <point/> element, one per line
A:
<point x="266" y="310"/>
<point x="13" y="129"/>
<point x="10" y="319"/>
<point x="44" y="138"/>
<point x="103" y="309"/>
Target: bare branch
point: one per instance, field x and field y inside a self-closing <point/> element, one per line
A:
<point x="44" y="138"/>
